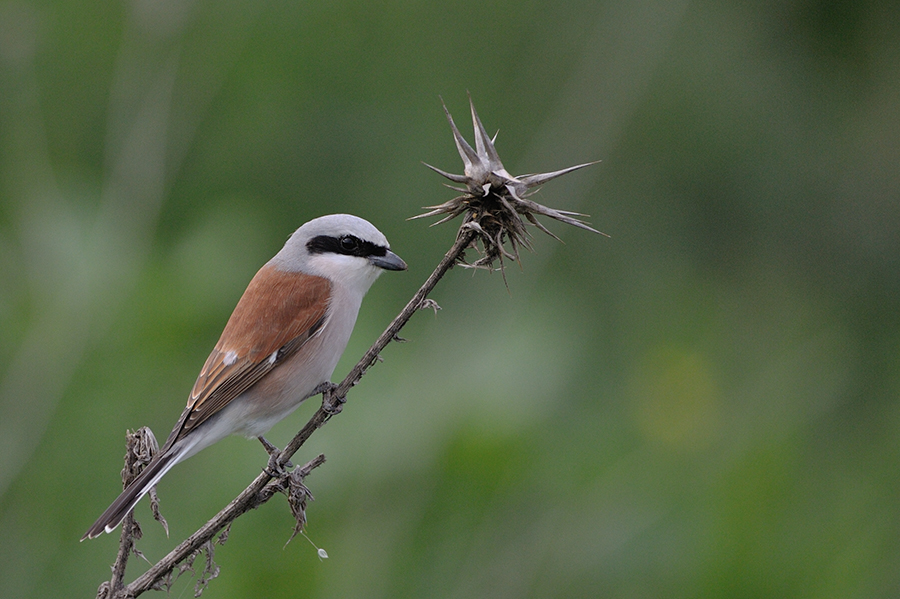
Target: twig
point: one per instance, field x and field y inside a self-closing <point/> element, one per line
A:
<point x="126" y="545"/>
<point x="140" y="447"/>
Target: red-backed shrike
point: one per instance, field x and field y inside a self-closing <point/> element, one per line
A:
<point x="280" y="345"/>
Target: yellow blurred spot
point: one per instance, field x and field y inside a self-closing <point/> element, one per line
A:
<point x="676" y="397"/>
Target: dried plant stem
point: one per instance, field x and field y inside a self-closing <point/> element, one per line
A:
<point x="254" y="495"/>
<point x="126" y="545"/>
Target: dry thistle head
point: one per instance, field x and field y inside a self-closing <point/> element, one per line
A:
<point x="494" y="203"/>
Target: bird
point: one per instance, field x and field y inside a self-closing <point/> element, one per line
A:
<point x="279" y="347"/>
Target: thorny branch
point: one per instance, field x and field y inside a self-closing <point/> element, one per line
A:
<point x="493" y="204"/>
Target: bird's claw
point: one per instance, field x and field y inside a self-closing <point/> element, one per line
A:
<point x="332" y="403"/>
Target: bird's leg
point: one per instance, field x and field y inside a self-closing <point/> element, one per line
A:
<point x="273" y="468"/>
<point x="326" y="387"/>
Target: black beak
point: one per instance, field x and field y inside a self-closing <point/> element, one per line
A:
<point x="390" y="261"/>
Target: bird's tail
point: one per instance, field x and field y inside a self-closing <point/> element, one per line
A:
<point x="139" y="487"/>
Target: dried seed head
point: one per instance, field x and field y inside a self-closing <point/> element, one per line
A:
<point x="494" y="203"/>
<point x="140" y="447"/>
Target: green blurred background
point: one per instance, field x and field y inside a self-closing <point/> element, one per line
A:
<point x="703" y="405"/>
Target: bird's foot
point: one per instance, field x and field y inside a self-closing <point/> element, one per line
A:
<point x="332" y="403"/>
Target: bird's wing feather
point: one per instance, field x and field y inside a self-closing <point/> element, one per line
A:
<point x="278" y="313"/>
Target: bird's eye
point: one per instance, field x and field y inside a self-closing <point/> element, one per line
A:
<point x="349" y="243"/>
